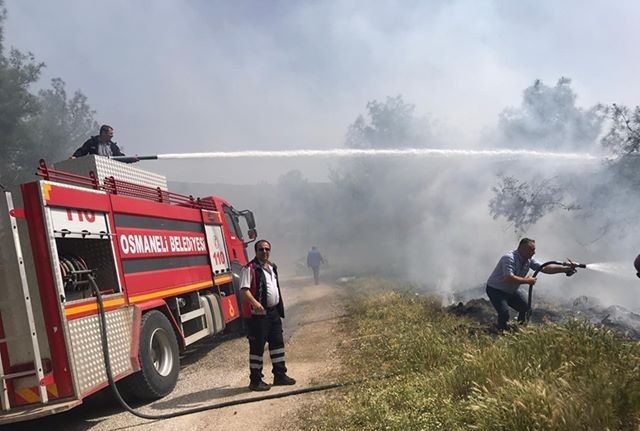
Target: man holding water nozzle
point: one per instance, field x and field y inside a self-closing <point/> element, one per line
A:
<point x="101" y="145"/>
<point x="512" y="271"/>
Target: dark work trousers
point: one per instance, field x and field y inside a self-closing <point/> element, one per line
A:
<point x="501" y="301"/>
<point x="316" y="273"/>
<point x="261" y="330"/>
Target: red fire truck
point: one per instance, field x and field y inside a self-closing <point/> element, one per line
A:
<point x="165" y="265"/>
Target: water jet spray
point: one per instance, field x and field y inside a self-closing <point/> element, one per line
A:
<point x="368" y="152"/>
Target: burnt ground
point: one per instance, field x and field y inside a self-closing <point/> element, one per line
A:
<point x="615" y="317"/>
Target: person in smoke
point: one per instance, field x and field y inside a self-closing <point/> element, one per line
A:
<point x="314" y="260"/>
<point x="264" y="309"/>
<point x="101" y="145"/>
<point x="636" y="263"/>
<point x="503" y="285"/>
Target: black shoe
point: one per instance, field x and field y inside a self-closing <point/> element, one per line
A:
<point x="283" y="380"/>
<point x="259" y="386"/>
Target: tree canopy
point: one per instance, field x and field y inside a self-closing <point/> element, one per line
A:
<point x="391" y="124"/>
<point x="33" y="126"/>
<point x="548" y="118"/>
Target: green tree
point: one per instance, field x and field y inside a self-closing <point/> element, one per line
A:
<point x="522" y="204"/>
<point x="391" y="124"/>
<point x="607" y="196"/>
<point x="18" y="71"/>
<point x="47" y="126"/>
<point x="613" y="201"/>
<point x="548" y="118"/>
<point x="623" y="141"/>
<point x="62" y="124"/>
<point x="623" y="137"/>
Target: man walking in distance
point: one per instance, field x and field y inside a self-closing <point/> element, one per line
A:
<point x="511" y="271"/>
<point x="314" y="260"/>
<point x="263" y="308"/>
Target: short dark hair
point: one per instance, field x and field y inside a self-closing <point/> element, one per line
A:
<point x="260" y="241"/>
<point x="105" y="128"/>
<point x="526" y="241"/>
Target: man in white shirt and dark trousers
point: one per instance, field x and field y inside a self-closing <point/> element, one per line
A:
<point x="263" y="308"/>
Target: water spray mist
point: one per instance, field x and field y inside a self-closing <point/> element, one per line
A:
<point x="353" y="152"/>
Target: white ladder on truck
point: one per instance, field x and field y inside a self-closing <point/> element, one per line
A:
<point x="37" y="361"/>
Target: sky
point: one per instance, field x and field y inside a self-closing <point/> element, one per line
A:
<point x="194" y="75"/>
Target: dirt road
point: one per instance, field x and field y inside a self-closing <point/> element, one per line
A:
<point x="217" y="371"/>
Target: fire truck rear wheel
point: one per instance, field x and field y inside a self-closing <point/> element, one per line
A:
<point x="159" y="358"/>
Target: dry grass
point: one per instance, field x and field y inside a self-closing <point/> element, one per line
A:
<point x="445" y="376"/>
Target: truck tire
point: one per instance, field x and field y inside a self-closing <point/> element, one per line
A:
<point x="159" y="358"/>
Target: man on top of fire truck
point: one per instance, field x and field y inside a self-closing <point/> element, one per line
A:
<point x="264" y="309"/>
<point x="101" y="144"/>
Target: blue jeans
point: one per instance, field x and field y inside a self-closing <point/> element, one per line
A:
<point x="501" y="301"/>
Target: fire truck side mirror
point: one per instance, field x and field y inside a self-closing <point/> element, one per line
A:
<point x="253" y="234"/>
<point x="251" y="221"/>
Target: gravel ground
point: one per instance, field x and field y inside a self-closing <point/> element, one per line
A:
<point x="216" y="370"/>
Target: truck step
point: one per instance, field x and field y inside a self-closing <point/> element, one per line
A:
<point x="18" y="374"/>
<point x="192" y="315"/>
<point x="196" y="336"/>
<point x="31" y="381"/>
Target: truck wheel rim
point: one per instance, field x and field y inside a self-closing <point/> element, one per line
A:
<point x="161" y="353"/>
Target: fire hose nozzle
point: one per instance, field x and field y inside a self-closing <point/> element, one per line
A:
<point x="573" y="265"/>
<point x="132" y="159"/>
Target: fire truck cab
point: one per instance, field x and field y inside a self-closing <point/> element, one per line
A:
<point x="166" y="265"/>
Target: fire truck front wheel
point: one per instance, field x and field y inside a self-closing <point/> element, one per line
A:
<point x="159" y="358"/>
